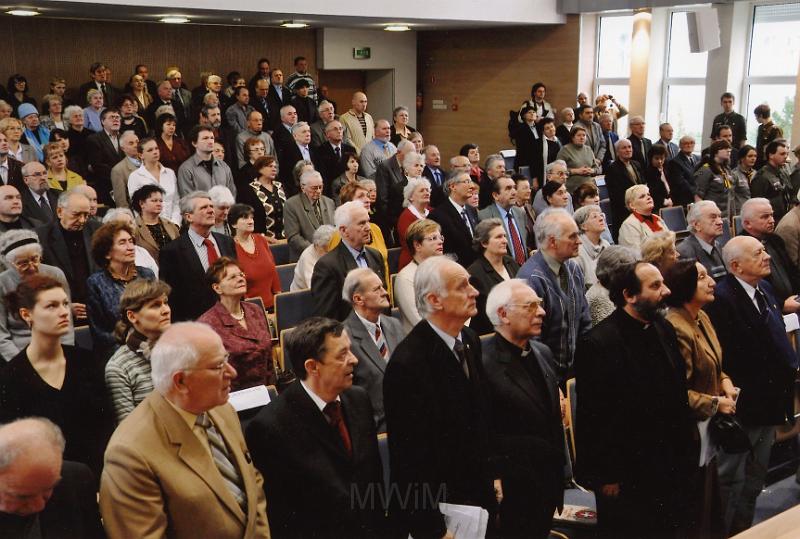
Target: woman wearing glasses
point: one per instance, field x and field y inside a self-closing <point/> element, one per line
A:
<point x="416" y="201"/>
<point x="424" y="239"/>
<point x="22" y="255"/>
<point x="241" y="325"/>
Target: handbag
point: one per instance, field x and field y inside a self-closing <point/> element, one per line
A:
<point x="727" y="433"/>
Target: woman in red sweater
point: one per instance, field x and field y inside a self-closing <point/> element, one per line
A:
<point x="255" y="258"/>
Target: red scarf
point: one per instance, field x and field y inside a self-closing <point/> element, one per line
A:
<point x="652" y="221"/>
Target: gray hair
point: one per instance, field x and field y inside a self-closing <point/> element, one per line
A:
<point x="622" y="142"/>
<point x="13" y="236"/>
<point x="455" y="178"/>
<point x="632" y="192"/>
<point x="322" y="235"/>
<point x="696" y="210"/>
<point x="307" y="175"/>
<point x="26" y="436"/>
<point x="164" y="109"/>
<point x="612" y="260"/>
<point x="412" y="185"/>
<point x="500" y="296"/>
<point x="429" y="279"/>
<point x="298" y="126"/>
<point x="483" y="230"/>
<point x="367" y="183"/>
<point x="686" y="138"/>
<point x="221" y="196"/>
<point x="492" y="158"/>
<point x="748" y="208"/>
<point x="583" y="213"/>
<point x="70" y="110"/>
<point x="176" y="352"/>
<point x="406" y="145"/>
<point x="285" y="109"/>
<point x="551" y="166"/>
<point x="352" y="283"/>
<point x="26" y="168"/>
<point x="412" y="158"/>
<point x="635" y="120"/>
<point x="323" y="103"/>
<point x="548" y="225"/>
<point x="114" y="213"/>
<point x="127" y="134"/>
<point x="343" y="214"/>
<point x="63" y="198"/>
<point x="187" y="201"/>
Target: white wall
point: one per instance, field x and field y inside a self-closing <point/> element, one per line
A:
<point x="395" y="51"/>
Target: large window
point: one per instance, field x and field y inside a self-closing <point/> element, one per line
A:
<point x="774" y="58"/>
<point x="684" y="84"/>
<point x="613" y="71"/>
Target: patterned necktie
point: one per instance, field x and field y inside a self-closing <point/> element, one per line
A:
<point x="763" y="307"/>
<point x="458" y="348"/>
<point x="611" y="151"/>
<point x="212" y="252"/>
<point x="437" y="176"/>
<point x="516" y="242"/>
<point x="381" y="342"/>
<point x="317" y="212"/>
<point x="338" y="151"/>
<point x="333" y="411"/>
<point x="222" y="458"/>
<point x="44" y="204"/>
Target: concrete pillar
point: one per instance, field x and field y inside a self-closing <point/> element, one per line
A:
<point x="640" y="61"/>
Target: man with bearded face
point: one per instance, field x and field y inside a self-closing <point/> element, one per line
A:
<point x="634" y="425"/>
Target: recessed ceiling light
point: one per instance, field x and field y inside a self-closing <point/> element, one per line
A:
<point x="397" y="28"/>
<point x="174" y="20"/>
<point x="22" y="12"/>
<point x="292" y="24"/>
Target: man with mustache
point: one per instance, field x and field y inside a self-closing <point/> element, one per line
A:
<point x="316" y="444"/>
<point x="634" y="426"/>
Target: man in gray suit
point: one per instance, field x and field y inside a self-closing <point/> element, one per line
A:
<point x="705" y="222"/>
<point x="504" y="195"/>
<point x="202" y="171"/>
<point x="305" y="212"/>
<point x="373" y="335"/>
<point x="255" y="124"/>
<point x="594" y="133"/>
<point x="129" y="144"/>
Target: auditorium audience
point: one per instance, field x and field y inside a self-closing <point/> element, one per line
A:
<point x="241" y="325"/>
<point x="59" y="176"/>
<point x="17" y="89"/>
<point x="756" y="353"/>
<point x="767" y="132"/>
<point x="254" y="255"/>
<point x="493" y="266"/>
<point x="152" y="231"/>
<point x="350" y="175"/>
<point x="555" y="195"/>
<point x="512" y="218"/>
<point x="193" y="489"/>
<point x="457" y="219"/>
<point x="12" y="129"/>
<point x="555" y="171"/>
<point x="559" y="282"/>
<point x="416" y="201"/>
<point x="143" y="257"/>
<point x="526" y="419"/>
<point x="641" y="145"/>
<point x="400" y="129"/>
<point x="377" y="150"/>
<point x="660" y="250"/>
<point x="129" y="163"/>
<point x="173" y="150"/>
<point x="567" y="115"/>
<point x="656" y="178"/>
<point x="705" y="225"/>
<point x="642" y="222"/>
<point x="579" y="159"/>
<point x="358" y="122"/>
<point x="608" y="265"/>
<point x="35" y="134"/>
<point x="12" y="214"/>
<point x="715" y="181"/>
<point x="304" y="269"/>
<point x="203" y="170"/>
<point x="266" y="196"/>
<point x="591" y="223"/>
<point x="144" y="315"/>
<point x="153" y="172"/>
<point x="253" y="129"/>
<point x="788" y="230"/>
<point x="728" y="117"/>
<point x="306" y="211"/>
<point x="373" y="335"/>
<point x="594" y="135"/>
<point x="53" y="380"/>
<point x="93" y="109"/>
<point x="222" y="199"/>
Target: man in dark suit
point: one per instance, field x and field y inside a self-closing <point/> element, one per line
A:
<point x="504" y="196"/>
<point x="185" y="260"/>
<point x="437" y="406"/>
<point x="760" y="360"/>
<point x="388" y="175"/>
<point x="680" y="169"/>
<point x="327" y="280"/>
<point x="316" y="444"/>
<point x="67" y="243"/>
<point x="289" y="154"/>
<point x="181" y="100"/>
<point x="99" y="75"/>
<point x="330" y="155"/>
<point x="526" y="412"/>
<point x="39" y="202"/>
<point x="12" y="216"/>
<point x="457" y="219"/>
<point x="260" y="102"/>
<point x="40" y="491"/>
<point x="104" y="151"/>
<point x="705" y="223"/>
<point x="634" y="425"/>
<point x="162" y="97"/>
<point x="623" y="173"/>
<point x="641" y="144"/>
<point x="278" y="97"/>
<point x="305" y="106"/>
<point x="374" y="336"/>
<point x="611" y="136"/>
<point x="435" y="174"/>
<point x="665" y="132"/>
<point x="10" y="168"/>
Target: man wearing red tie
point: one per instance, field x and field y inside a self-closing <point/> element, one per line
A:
<point x="316" y="444"/>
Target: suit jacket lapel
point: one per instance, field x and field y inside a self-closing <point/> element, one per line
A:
<point x="315" y="420"/>
<point x="190" y="255"/>
<point x="59" y="247"/>
<point x="308" y="207"/>
<point x="365" y="341"/>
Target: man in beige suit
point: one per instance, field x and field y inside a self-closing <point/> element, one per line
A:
<point x="178" y="466"/>
<point x="305" y="212"/>
<point x="358" y="122"/>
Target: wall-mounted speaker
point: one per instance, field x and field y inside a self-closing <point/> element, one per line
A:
<point x="703" y="30"/>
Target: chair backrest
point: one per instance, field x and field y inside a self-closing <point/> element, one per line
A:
<point x="738" y="226"/>
<point x="396" y="314"/>
<point x="284" y="359"/>
<point x="83" y="338"/>
<point x="291" y="308"/>
<point x="508" y="157"/>
<point x="525" y="171"/>
<point x="286" y="275"/>
<point x="393" y="278"/>
<point x="572" y="408"/>
<point x="674" y="218"/>
<point x="605" y="205"/>
<point x="280" y="252"/>
<point x="383" y="451"/>
<point x="394" y="259"/>
<point x="726" y="234"/>
<point x="602" y="188"/>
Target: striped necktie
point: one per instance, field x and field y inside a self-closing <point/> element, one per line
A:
<point x="381" y="342"/>
<point x="223" y="461"/>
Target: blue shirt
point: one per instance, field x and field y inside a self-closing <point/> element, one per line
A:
<point x="504" y="213"/>
<point x="359" y="256"/>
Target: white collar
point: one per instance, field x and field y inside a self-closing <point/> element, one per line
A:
<point x="314" y="397"/>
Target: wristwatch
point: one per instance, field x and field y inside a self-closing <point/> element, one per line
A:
<point x="714" y="405"/>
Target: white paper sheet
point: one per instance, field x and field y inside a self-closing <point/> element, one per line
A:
<point x="252" y="397"/>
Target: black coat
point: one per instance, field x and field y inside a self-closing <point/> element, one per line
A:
<point x="328" y="277"/>
<point x="680" y="173"/>
<point x="55" y="253"/>
<point x="525" y="140"/>
<point x="641" y="147"/>
<point x="756" y="353"/>
<point x="457" y="237"/>
<point x="180" y="267"/>
<point x="309" y="479"/>
<point x="330" y="166"/>
<point x="618" y="181"/>
<point x="275" y="103"/>
<point x="483" y="277"/>
<point x="438" y="425"/>
<point x="527" y="434"/>
<point x="102" y="157"/>
<point x="657" y="188"/>
<point x="32" y="210"/>
<point x="306" y="109"/>
<point x="437" y="188"/>
<point x="15" y="174"/>
<point x="288" y="156"/>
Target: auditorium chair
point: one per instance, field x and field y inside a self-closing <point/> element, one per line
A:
<point x="286" y="275"/>
<point x="291" y="308"/>
<point x="280" y="252"/>
<point x="394" y="260"/>
<point x="674" y="218"/>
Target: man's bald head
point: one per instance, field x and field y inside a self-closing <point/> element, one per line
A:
<point x="359" y="102"/>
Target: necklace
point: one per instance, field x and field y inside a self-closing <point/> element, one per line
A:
<point x="238" y="317"/>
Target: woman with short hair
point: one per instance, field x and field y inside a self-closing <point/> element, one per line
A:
<point x="152" y="171"/>
<point x="152" y="232"/>
<point x="13" y="128"/>
<point x="642" y="222"/>
<point x="264" y="193"/>
<point x="424" y="239"/>
<point x="113" y="250"/>
<point x="54" y="119"/>
<point x="241" y="325"/>
<point x="59" y="177"/>
<point x="581" y="163"/>
<point x="172" y="150"/>
<point x="222" y="198"/>
<point x="416" y="201"/>
<point x="555" y="194"/>
<point x="144" y="316"/>
<point x="304" y="269"/>
<point x="253" y="149"/>
<point x="77" y="134"/>
<point x="609" y="264"/>
<point x="350" y="175"/>
<point x="400" y="129"/>
<point x="591" y="223"/>
<point x="493" y="266"/>
<point x="91" y="113"/>
<point x="254" y="256"/>
<point x="660" y="250"/>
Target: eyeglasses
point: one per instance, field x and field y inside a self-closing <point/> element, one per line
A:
<point x="531" y="307"/>
<point x="236" y="276"/>
<point x="219" y="367"/>
<point x="28" y="263"/>
<point x="434" y="237"/>
<point x="37" y="175"/>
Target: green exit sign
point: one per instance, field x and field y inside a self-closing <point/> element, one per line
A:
<point x="361" y="53"/>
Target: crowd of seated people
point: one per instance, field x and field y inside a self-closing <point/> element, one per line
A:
<point x="148" y="219"/>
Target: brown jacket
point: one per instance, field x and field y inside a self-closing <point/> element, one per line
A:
<point x="143" y="237"/>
